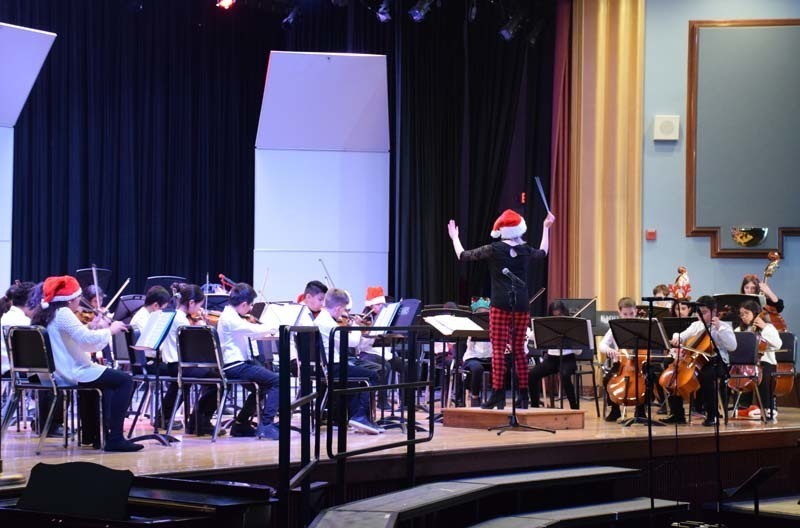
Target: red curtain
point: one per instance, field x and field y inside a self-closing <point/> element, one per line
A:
<point x="559" y="176"/>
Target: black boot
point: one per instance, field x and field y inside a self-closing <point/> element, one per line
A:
<point x="522" y="399"/>
<point x="497" y="399"/>
<point x="614" y="414"/>
<point x="475" y="401"/>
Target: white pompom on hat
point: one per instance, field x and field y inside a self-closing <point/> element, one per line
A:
<point x="509" y="225"/>
<point x="57" y="289"/>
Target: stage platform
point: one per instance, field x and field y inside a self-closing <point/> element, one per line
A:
<point x="684" y="462"/>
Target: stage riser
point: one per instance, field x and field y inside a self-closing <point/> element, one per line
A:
<point x="471" y="418"/>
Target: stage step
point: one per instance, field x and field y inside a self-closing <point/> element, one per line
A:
<point x="385" y="510"/>
<point x="476" y="418"/>
<point x="594" y="514"/>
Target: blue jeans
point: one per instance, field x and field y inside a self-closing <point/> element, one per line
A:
<point x="359" y="404"/>
<point x="267" y="390"/>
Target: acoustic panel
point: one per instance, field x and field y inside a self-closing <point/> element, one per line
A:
<point x="324" y="101"/>
<point x="289" y="271"/>
<point x="325" y="201"/>
<point x="24" y="52"/>
<point x="6" y="194"/>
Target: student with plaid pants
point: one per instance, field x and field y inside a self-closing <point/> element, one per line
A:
<point x="513" y="253"/>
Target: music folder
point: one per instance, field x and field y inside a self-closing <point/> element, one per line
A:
<point x="276" y="315"/>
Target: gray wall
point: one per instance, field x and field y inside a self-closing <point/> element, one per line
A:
<point x="666" y="52"/>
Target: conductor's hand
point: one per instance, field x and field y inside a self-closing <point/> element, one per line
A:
<point x="117" y="327"/>
<point x="452" y="229"/>
<point x="549" y="220"/>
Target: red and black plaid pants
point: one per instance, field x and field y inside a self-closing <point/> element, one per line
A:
<point x="499" y="335"/>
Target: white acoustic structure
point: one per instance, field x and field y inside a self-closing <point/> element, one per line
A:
<point x="322" y="174"/>
<point x="24" y="51"/>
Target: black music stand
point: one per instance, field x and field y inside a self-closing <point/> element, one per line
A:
<point x="153" y="335"/>
<point x="217" y="301"/>
<point x="127" y="306"/>
<point x="561" y="333"/>
<point x="728" y="305"/>
<point x="659" y="312"/>
<point x="85" y="278"/>
<point x="752" y="484"/>
<point x="636" y="334"/>
<point x="162" y="280"/>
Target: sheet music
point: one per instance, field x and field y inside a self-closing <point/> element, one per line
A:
<point x="154" y="332"/>
<point x="447" y="324"/>
<point x="385" y="318"/>
<point x="276" y="315"/>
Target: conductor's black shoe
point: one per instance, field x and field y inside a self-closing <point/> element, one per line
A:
<point x="614" y="414"/>
<point x="674" y="419"/>
<point x="710" y="421"/>
<point x="497" y="399"/>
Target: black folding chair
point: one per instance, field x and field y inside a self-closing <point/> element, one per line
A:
<point x="31" y="355"/>
<point x="744" y="365"/>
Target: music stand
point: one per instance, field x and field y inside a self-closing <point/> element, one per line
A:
<point x="155" y="331"/>
<point x="217" y="301"/>
<point x="659" y="312"/>
<point x="162" y="280"/>
<point x="676" y="325"/>
<point x="637" y="334"/>
<point x="86" y="278"/>
<point x="127" y="306"/>
<point x="752" y="484"/>
<point x="728" y="305"/>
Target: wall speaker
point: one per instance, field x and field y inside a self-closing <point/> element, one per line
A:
<point x="666" y="127"/>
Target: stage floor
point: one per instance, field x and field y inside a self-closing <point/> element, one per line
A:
<point x="451" y="451"/>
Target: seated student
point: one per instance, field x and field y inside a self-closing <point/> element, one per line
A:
<point x="156" y="299"/>
<point x="234" y="337"/>
<point x="312" y="297"/>
<point x="750" y="320"/>
<point x="190" y="300"/>
<point x="328" y="319"/>
<point x="661" y="291"/>
<point x="551" y="363"/>
<point x="626" y="307"/>
<point x="381" y="359"/>
<point x="70" y="341"/>
<point x="477" y="358"/>
<point x="724" y="338"/>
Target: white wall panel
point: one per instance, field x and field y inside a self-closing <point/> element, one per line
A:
<point x="24" y="51"/>
<point x="6" y="194"/>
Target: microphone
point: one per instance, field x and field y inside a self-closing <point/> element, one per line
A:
<point x="514" y="278"/>
<point x="223" y="279"/>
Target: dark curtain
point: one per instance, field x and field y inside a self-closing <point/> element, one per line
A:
<point x="135" y="150"/>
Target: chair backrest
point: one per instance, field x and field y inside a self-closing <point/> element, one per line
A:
<point x="789" y="346"/>
<point x="120" y="344"/>
<point x="29" y="350"/>
<point x="746" y="352"/>
<point x="198" y="346"/>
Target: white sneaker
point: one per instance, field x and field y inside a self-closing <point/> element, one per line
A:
<point x="364" y="425"/>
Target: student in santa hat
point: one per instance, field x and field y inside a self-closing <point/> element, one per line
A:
<point x="383" y="356"/>
<point x="511" y="252"/>
<point x="70" y="341"/>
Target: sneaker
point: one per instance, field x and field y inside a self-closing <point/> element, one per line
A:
<point x="242" y="430"/>
<point x="269" y="431"/>
<point x="754" y="412"/>
<point x="710" y="421"/>
<point x="363" y="424"/>
<point x="122" y="446"/>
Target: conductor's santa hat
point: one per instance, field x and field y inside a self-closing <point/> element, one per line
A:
<point x="375" y="295"/>
<point x="57" y="289"/>
<point x="509" y="225"/>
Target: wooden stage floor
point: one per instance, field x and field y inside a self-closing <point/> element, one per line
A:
<point x="452" y="450"/>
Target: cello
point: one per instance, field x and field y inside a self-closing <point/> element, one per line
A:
<point x="682" y="377"/>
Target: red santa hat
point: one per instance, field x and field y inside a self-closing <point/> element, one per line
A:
<point x="509" y="225"/>
<point x="57" y="289"/>
<point x="375" y="295"/>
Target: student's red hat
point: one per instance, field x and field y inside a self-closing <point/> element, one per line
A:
<point x="56" y="289"/>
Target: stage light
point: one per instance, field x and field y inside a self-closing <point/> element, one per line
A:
<point x="288" y="22"/>
<point x="225" y="4"/>
<point x="384" y="11"/>
<point x="420" y="9"/>
<point x="535" y="32"/>
<point x="510" y="29"/>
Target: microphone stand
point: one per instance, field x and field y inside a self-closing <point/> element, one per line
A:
<point x="513" y="422"/>
<point x="718" y="451"/>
